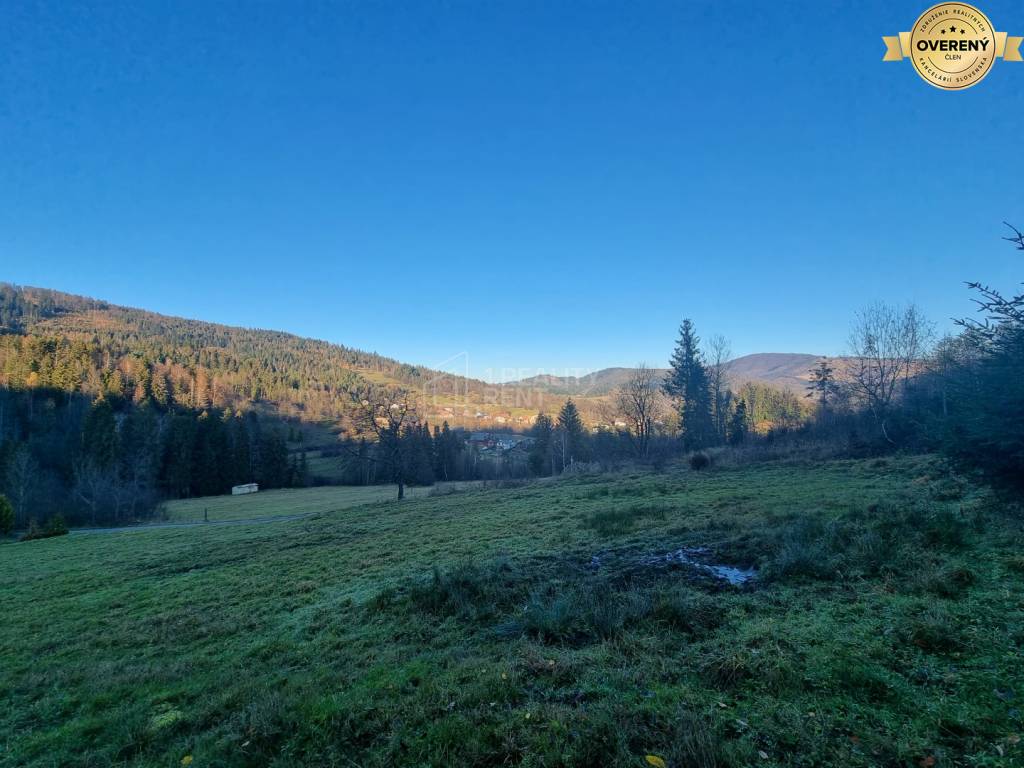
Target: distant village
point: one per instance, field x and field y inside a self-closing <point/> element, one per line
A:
<point x="504" y="435"/>
<point x="505" y="419"/>
<point x="500" y="443"/>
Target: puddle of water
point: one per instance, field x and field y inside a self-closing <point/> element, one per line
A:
<point x="689" y="556"/>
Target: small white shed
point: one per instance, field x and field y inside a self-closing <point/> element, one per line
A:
<point x="238" y="490"/>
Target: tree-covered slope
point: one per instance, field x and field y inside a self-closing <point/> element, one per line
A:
<point x="79" y="344"/>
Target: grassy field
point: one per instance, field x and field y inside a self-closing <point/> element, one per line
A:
<point x="290" y="501"/>
<point x="545" y="625"/>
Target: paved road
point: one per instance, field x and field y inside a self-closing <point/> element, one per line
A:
<point x="199" y="524"/>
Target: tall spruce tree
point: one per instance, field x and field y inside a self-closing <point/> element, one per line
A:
<point x="541" y="459"/>
<point x="572" y="435"/>
<point x="687" y="384"/>
<point x="822" y="385"/>
<point x="446" y="446"/>
<point x="99" y="434"/>
<point x="738" y="426"/>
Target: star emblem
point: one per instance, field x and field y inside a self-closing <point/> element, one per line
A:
<point x="952" y="29"/>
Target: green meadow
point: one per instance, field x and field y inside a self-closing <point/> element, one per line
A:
<point x="544" y="624"/>
<point x="289" y="502"/>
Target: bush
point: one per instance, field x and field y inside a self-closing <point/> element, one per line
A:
<point x="6" y="516"/>
<point x="699" y="461"/>
<point x="56" y="527"/>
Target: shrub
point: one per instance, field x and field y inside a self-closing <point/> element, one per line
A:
<point x="699" y="461"/>
<point x="6" y="516"/>
<point x="56" y="527"/>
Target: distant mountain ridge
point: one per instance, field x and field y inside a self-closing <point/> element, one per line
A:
<point x="54" y="339"/>
<point x="784" y="370"/>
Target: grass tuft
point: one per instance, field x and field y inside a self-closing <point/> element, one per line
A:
<point x="621" y="520"/>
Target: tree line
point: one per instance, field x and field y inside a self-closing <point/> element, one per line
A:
<point x="102" y="426"/>
<point x="100" y="461"/>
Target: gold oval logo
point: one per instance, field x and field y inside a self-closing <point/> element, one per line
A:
<point x="953" y="46"/>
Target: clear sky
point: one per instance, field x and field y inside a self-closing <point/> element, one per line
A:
<point x="531" y="184"/>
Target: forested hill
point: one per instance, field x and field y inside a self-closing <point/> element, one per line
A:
<point x="53" y="339"/>
<point x="787" y="371"/>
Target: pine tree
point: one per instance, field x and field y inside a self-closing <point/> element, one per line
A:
<point x="571" y="435"/>
<point x="687" y="383"/>
<point x="273" y="461"/>
<point x="448" y="450"/>
<point x="160" y="389"/>
<point x="99" y="434"/>
<point x="416" y="454"/>
<point x="540" y="458"/>
<point x="241" y="453"/>
<point x="143" y="382"/>
<point x="822" y="385"/>
<point x="114" y="386"/>
<point x="176" y="472"/>
<point x="211" y="474"/>
<point x="738" y="423"/>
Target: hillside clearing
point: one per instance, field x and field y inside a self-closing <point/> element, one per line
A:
<point x="884" y="628"/>
<point x="291" y="501"/>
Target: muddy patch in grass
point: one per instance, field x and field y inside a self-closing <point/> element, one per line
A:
<point x="573" y="599"/>
<point x="696" y="561"/>
<point x="696" y="558"/>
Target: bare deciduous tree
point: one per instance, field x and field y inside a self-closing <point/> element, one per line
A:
<point x="22" y="473"/>
<point x="381" y="413"/>
<point x="886" y="344"/>
<point x="639" y="402"/>
<point x="718" y="352"/>
<point x="97" y="489"/>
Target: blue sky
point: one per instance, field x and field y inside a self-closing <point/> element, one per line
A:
<point x="530" y="184"/>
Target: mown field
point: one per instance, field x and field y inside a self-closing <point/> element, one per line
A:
<point x="538" y="626"/>
<point x="290" y="501"/>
